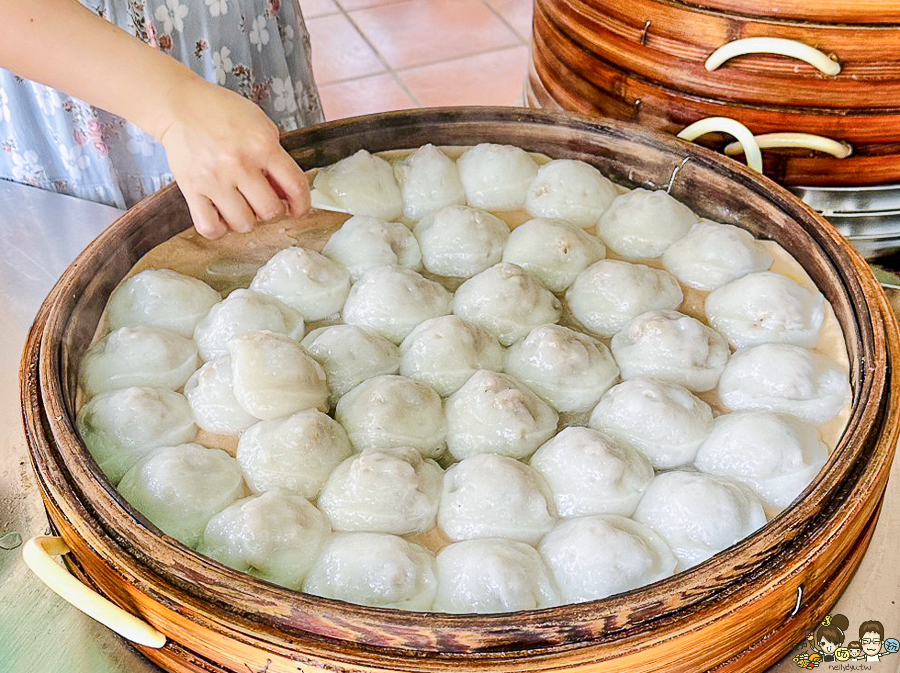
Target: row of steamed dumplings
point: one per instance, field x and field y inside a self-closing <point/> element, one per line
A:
<point x="257" y="381"/>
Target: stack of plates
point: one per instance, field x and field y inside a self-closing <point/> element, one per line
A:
<point x="868" y="216"/>
<point x="646" y="61"/>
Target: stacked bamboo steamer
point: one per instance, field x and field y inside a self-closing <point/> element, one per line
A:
<point x="666" y="64"/>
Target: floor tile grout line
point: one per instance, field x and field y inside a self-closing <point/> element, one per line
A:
<point x="508" y="47"/>
<point x="400" y="71"/>
<point x="381" y="57"/>
<point x="372" y="6"/>
<point x="506" y="23"/>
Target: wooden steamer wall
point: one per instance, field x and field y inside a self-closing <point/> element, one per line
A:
<point x="643" y="61"/>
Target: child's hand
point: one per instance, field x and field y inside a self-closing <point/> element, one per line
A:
<point x="226" y="158"/>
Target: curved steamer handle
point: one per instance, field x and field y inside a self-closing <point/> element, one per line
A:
<point x="808" y="141"/>
<point x="38" y="554"/>
<point x="733" y="128"/>
<point x="773" y="45"/>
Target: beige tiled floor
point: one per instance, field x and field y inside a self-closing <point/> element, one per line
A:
<point x="378" y="55"/>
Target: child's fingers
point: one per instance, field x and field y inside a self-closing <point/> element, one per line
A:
<point x="206" y="218"/>
<point x="261" y="197"/>
<point x="234" y="210"/>
<point x="290" y="181"/>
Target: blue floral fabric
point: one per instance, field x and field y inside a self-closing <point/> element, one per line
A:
<point x="259" y="48"/>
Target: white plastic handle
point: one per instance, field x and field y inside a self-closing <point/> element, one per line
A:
<point x="773" y="45"/>
<point x="807" y="141"/>
<point x="38" y="553"/>
<point x="733" y="128"/>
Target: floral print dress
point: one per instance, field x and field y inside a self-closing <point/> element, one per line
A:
<point x="259" y="48"/>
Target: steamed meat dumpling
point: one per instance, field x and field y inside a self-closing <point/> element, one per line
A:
<point x="241" y="312"/>
<point x="491" y="576"/>
<point x="429" y="181"/>
<point x="350" y="355"/>
<point x="785" y="378"/>
<point x="304" y="280"/>
<point x="296" y="453"/>
<point x="592" y="557"/>
<point x="363" y="243"/>
<point x="609" y="293"/>
<point x="699" y="514"/>
<point x="361" y="184"/>
<point x="180" y="488"/>
<point x="393" y="411"/>
<point x="570" y="190"/>
<point x="495" y="496"/>
<point x="138" y="356"/>
<point x="392" y="301"/>
<point x="444" y="352"/>
<point x="664" y="421"/>
<point x="670" y="346"/>
<point x="774" y="454"/>
<point x="766" y="308"/>
<point x="122" y="426"/>
<point x="160" y="298"/>
<point x="553" y="251"/>
<point x="642" y="224"/>
<point x="275" y="536"/>
<point x="210" y="392"/>
<point x="460" y="241"/>
<point x="589" y="473"/>
<point x="496" y="177"/>
<point x="273" y="376"/>
<point x="392" y="490"/>
<point x="495" y="413"/>
<point x="713" y="254"/>
<point x="375" y="569"/>
<point x="506" y="301"/>
<point x="568" y="369"/>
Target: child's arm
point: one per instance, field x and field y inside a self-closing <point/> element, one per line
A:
<point x="222" y="149"/>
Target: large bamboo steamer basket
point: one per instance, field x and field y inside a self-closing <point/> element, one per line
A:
<point x="668" y="43"/>
<point x="557" y="84"/>
<point x="562" y="60"/>
<point x="836" y="11"/>
<point x="874" y="164"/>
<point x="737" y="612"/>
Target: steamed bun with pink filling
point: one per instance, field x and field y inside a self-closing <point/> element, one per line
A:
<point x="363" y="243"/>
<point x="429" y="181"/>
<point x="570" y="190"/>
<point x="361" y="184"/>
<point x="489" y="496"/>
<point x="375" y="569"/>
<point x="609" y="293"/>
<point x="553" y="251"/>
<point x="393" y="300"/>
<point x="275" y="535"/>
<point x="490" y="576"/>
<point x="642" y="224"/>
<point x="699" y="514"/>
<point x="496" y="177"/>
<point x="161" y="298"/>
<point x="506" y="301"/>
